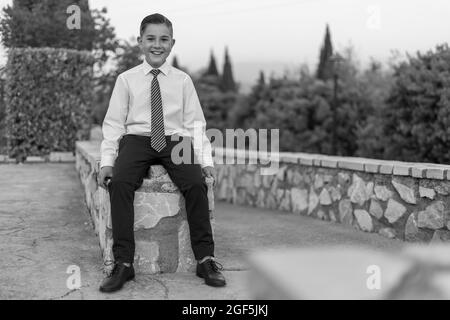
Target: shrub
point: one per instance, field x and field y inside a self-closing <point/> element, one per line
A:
<point x="417" y="120"/>
<point x="48" y="94"/>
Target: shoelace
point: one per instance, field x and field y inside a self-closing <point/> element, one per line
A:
<point x="216" y="266"/>
<point x="109" y="271"/>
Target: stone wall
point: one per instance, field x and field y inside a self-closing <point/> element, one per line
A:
<point x="161" y="229"/>
<point x="408" y="201"/>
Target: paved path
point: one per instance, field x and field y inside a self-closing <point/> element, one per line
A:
<point x="44" y="228"/>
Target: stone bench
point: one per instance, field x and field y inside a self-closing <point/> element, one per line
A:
<point x="161" y="228"/>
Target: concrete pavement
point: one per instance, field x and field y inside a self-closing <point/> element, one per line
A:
<point x="45" y="229"/>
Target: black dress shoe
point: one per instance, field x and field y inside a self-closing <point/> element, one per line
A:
<point x="119" y="275"/>
<point x="210" y="271"/>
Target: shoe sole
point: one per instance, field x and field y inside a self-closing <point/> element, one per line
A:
<point x="116" y="289"/>
<point x="212" y="284"/>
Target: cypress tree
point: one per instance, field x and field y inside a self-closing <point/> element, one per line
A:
<point x="212" y="68"/>
<point x="325" y="68"/>
<point x="262" y="79"/>
<point x="228" y="83"/>
<point x="175" y="62"/>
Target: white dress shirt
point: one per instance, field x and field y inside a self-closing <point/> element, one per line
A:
<point x="129" y="110"/>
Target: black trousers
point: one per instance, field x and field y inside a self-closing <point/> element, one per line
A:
<point x="131" y="166"/>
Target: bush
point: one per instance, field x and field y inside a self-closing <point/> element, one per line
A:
<point x="303" y="112"/>
<point x="215" y="103"/>
<point x="2" y="115"/>
<point x="417" y="120"/>
<point x="48" y="94"/>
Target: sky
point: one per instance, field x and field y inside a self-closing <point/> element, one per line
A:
<point x="279" y="35"/>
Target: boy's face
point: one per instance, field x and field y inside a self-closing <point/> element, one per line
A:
<point x="156" y="43"/>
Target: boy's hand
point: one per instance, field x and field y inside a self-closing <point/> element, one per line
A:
<point x="105" y="173"/>
<point x="210" y="172"/>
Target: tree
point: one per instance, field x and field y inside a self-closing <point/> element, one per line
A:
<point x="370" y="138"/>
<point x="127" y="56"/>
<point x="29" y="23"/>
<point x="418" y="114"/>
<point x="325" y="68"/>
<point x="212" y="68"/>
<point x="175" y="62"/>
<point x="245" y="110"/>
<point x="301" y="107"/>
<point x="262" y="78"/>
<point x="227" y="83"/>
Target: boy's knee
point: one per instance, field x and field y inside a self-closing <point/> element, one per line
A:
<point x="196" y="185"/>
<point x="123" y="185"/>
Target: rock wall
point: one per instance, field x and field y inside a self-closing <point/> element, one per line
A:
<point x="408" y="201"/>
<point x="161" y="228"/>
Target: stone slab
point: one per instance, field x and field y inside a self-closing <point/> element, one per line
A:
<point x="323" y="273"/>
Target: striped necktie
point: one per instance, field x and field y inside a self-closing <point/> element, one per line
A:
<point x="158" y="141"/>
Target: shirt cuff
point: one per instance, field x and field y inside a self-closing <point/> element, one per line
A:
<point x="207" y="161"/>
<point x="107" y="161"/>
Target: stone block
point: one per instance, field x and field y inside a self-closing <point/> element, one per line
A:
<point x="401" y="169"/>
<point x="313" y="201"/>
<point x="325" y="198"/>
<point x="427" y="193"/>
<point x="150" y="208"/>
<point x="351" y="164"/>
<point x="364" y="220"/>
<point x="285" y="202"/>
<point x="318" y="181"/>
<point x="435" y="173"/>
<point x="387" y="233"/>
<point x="412" y="231"/>
<point x="371" y="167"/>
<point x="358" y="191"/>
<point x="386" y="168"/>
<point x="306" y="162"/>
<point x="329" y="163"/>
<point x="382" y="193"/>
<point x="346" y="211"/>
<point x="418" y="171"/>
<point x="288" y="157"/>
<point x="299" y="199"/>
<point x="443" y="188"/>
<point x="375" y="209"/>
<point x="394" y="211"/>
<point x="335" y="193"/>
<point x="35" y="159"/>
<point x="433" y="217"/>
<point x="405" y="189"/>
<point x="61" y="157"/>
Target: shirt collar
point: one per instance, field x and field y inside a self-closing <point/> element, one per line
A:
<point x="146" y="67"/>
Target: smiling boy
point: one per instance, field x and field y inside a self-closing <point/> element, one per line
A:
<point x="150" y="103"/>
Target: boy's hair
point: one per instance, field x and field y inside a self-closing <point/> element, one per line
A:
<point x="156" y="18"/>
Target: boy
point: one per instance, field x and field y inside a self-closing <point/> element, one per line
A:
<point x="150" y="103"/>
